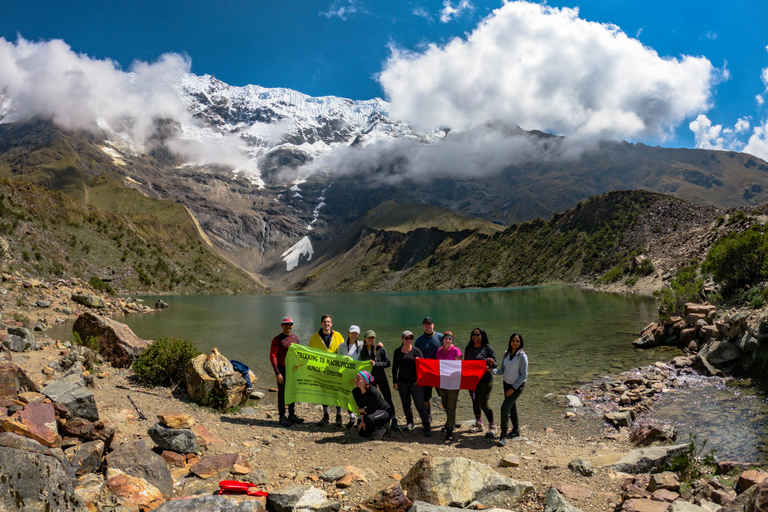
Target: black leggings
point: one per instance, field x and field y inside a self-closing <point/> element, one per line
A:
<point x="480" y="399"/>
<point x="373" y="421"/>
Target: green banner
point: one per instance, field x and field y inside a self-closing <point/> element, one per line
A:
<point x="317" y="377"/>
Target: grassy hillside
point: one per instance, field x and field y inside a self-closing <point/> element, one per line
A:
<point x="582" y="243"/>
<point x="48" y="234"/>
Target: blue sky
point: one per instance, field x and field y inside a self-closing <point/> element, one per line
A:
<point x="342" y="47"/>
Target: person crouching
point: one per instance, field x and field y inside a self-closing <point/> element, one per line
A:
<point x="374" y="411"/>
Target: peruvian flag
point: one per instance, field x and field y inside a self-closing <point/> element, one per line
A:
<point x="441" y="373"/>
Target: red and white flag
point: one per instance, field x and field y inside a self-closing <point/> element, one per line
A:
<point x="441" y="373"/>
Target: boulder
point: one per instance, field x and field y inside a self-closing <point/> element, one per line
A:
<point x="118" y="344"/>
<point x="75" y="397"/>
<point x="85" y="458"/>
<point x="582" y="467"/>
<point x="176" y="420"/>
<point x="391" y="499"/>
<point x="14" y="380"/>
<point x="620" y="418"/>
<point x="134" y="491"/>
<point x="301" y="498"/>
<point x="457" y="482"/>
<point x="91" y="301"/>
<point x="555" y="502"/>
<point x="720" y="352"/>
<point x="664" y="480"/>
<point x="644" y="505"/>
<point x="34" y="479"/>
<point x="213" y="374"/>
<point x="16" y="343"/>
<point x="211" y="466"/>
<point x="37" y="422"/>
<point x="214" y="504"/>
<point x="644" y="435"/>
<point x="747" y="343"/>
<point x="648" y="460"/>
<point x="179" y="440"/>
<point x="749" y="478"/>
<point x="138" y="461"/>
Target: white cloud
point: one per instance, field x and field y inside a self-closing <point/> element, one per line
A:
<point x="50" y="80"/>
<point x="707" y="136"/>
<point x="343" y="9"/>
<point x="758" y="142"/>
<point x="421" y="12"/>
<point x="545" y="68"/>
<point x="742" y="125"/>
<point x="450" y="11"/>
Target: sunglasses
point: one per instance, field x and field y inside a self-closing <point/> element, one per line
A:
<point x="408" y="337"/>
<point x="475" y="334"/>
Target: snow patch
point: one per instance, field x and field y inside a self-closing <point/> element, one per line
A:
<point x="301" y="248"/>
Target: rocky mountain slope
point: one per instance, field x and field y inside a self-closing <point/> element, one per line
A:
<point x="274" y="215"/>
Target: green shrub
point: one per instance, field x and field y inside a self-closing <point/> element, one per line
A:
<point x="686" y="286"/>
<point x="92" y="342"/>
<point x="738" y="260"/>
<point x="692" y="463"/>
<point x="100" y="286"/>
<point x="163" y="363"/>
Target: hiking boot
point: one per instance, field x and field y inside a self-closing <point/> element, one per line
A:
<point x="427" y="433"/>
<point x="295" y="419"/>
<point x="339" y="421"/>
<point x="502" y="440"/>
<point x="324" y="422"/>
<point x="491" y="432"/>
<point x="285" y="422"/>
<point x="379" y="433"/>
<point x="514" y="433"/>
<point x="449" y="435"/>
<point x="394" y="427"/>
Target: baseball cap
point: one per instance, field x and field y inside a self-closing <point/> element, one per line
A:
<point x="428" y="320"/>
<point x="287" y="320"/>
<point x="370" y="334"/>
<point x="354" y="328"/>
<point x="406" y="333"/>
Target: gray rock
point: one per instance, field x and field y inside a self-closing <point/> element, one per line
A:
<point x="92" y="301"/>
<point x="117" y="343"/>
<point x="85" y="458"/>
<point x="720" y="352"/>
<point x="620" y="418"/>
<point x="334" y="474"/>
<point x="40" y="327"/>
<point x="572" y="401"/>
<point x="75" y="397"/>
<point x="22" y="332"/>
<point x="423" y="506"/>
<point x="457" y="482"/>
<point x="582" y="467"/>
<point x="181" y="440"/>
<point x="248" y="410"/>
<point x="210" y="504"/>
<point x="556" y="503"/>
<point x="16" y="343"/>
<point x="301" y="498"/>
<point x="43" y="303"/>
<point x="33" y="479"/>
<point x="747" y="343"/>
<point x="258" y="477"/>
<point x="137" y="460"/>
<point x="648" y="460"/>
<point x="685" y="506"/>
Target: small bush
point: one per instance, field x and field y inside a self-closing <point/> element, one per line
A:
<point x="686" y="286"/>
<point x="92" y="342"/>
<point x="100" y="286"/>
<point x="692" y="463"/>
<point x="738" y="260"/>
<point x="163" y="363"/>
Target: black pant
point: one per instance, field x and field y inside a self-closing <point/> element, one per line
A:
<point x="281" y="396"/>
<point x="408" y="391"/>
<point x="373" y="421"/>
<point x="480" y="398"/>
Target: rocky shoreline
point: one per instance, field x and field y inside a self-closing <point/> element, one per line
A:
<point x="107" y="456"/>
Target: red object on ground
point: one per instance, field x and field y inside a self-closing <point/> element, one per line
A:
<point x="235" y="486"/>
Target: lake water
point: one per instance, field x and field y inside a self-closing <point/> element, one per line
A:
<point x="571" y="335"/>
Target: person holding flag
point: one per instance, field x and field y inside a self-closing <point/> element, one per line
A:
<point x="514" y="368"/>
<point x="327" y="340"/>
<point x="428" y="343"/>
<point x="449" y="396"/>
<point x="479" y="349"/>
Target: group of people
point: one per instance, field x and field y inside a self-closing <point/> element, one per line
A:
<point x="372" y="393"/>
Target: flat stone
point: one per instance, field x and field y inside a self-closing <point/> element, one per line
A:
<point x="135" y="491"/>
<point x="571" y="491"/>
<point x="211" y="466"/>
<point x="204" y="437"/>
<point x="665" y="495"/>
<point x="640" y="505"/>
<point x="510" y="461"/>
<point x="37" y="422"/>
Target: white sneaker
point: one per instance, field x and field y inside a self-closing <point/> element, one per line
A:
<point x="477" y="427"/>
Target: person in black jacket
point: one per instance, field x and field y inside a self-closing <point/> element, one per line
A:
<point x="404" y="377"/>
<point x="374" y="411"/>
<point x="380" y="360"/>
<point x="479" y="348"/>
